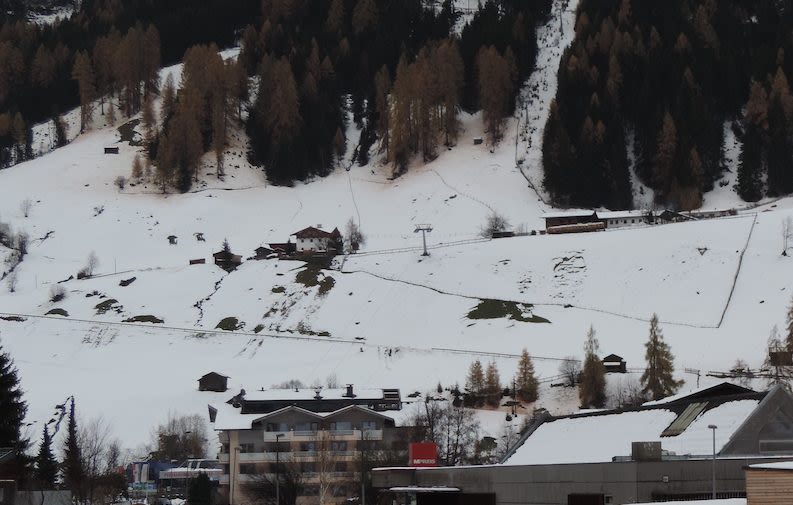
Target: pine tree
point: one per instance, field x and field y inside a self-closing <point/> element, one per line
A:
<point x="665" y="155"/>
<point x="46" y="471"/>
<point x="525" y="379"/>
<point x="475" y="383"/>
<point x="592" y="389"/>
<point x="492" y="384"/>
<point x="750" y="166"/>
<point x="83" y="73"/>
<point x="657" y="379"/>
<point x="12" y="414"/>
<point x="200" y="492"/>
<point x="73" y="472"/>
<point x="789" y="327"/>
<point x="168" y="99"/>
<point x="137" y="168"/>
<point x="495" y="90"/>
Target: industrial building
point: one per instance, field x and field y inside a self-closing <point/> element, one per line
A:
<point x="663" y="450"/>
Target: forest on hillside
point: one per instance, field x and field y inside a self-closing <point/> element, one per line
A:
<point x="668" y="75"/>
<point x="399" y="66"/>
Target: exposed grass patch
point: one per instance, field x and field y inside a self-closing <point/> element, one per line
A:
<point x="109" y="304"/>
<point x="144" y="319"/>
<point x="230" y="324"/>
<point x="279" y="289"/>
<point x="326" y="284"/>
<point x="497" y="309"/>
<point x="312" y="275"/>
<point x="128" y="134"/>
<point x="57" y="312"/>
<point x="258" y="328"/>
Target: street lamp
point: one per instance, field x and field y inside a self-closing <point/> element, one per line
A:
<point x="713" y="428"/>
<point x="278" y="468"/>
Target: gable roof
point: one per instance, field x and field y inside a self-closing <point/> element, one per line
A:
<point x="612" y="357"/>
<point x="213" y="374"/>
<point x="312" y="232"/>
<point x="714" y="390"/>
<point x="681" y="426"/>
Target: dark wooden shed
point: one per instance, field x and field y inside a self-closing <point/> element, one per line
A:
<point x="614" y="364"/>
<point x="261" y="253"/>
<point x="227" y="260"/>
<point x="213" y="381"/>
<point x="111" y="150"/>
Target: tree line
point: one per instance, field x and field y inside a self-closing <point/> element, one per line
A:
<point x="38" y="78"/>
<point x="660" y="79"/>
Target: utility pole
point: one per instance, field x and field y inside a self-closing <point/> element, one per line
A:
<point x="424" y="229"/>
<point x="713" y="427"/>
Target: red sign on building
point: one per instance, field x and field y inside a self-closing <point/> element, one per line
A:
<point x="422" y="454"/>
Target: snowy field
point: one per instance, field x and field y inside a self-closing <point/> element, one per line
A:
<point x="387" y="318"/>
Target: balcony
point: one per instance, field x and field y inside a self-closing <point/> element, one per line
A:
<point x="288" y="436"/>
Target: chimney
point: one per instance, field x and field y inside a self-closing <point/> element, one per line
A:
<point x="349" y="393"/>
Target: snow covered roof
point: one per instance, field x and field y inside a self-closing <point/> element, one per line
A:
<point x="620" y="214"/>
<point x="599" y="437"/>
<point x="780" y="465"/>
<point x="230" y="418"/>
<point x="312" y="232"/>
<point x="309" y="394"/>
<point x="723" y="388"/>
<point x="568" y="213"/>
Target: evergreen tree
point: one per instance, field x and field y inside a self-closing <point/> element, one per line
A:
<point x="665" y="156"/>
<point x="750" y="165"/>
<point x="475" y="382"/>
<point x="657" y="379"/>
<point x="495" y="90"/>
<point x="525" y="379"/>
<point x="200" y="492"/>
<point x="46" y="471"/>
<point x="789" y="327"/>
<point x="592" y="389"/>
<point x="12" y="414"/>
<point x="137" y="168"/>
<point x="72" y="470"/>
<point x="492" y="384"/>
<point x="83" y="73"/>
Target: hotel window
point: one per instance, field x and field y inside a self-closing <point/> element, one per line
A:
<point x="341" y="426"/>
<point x="247" y="448"/>
<point x="338" y="446"/>
<point x="247" y="468"/>
<point x="369" y="425"/>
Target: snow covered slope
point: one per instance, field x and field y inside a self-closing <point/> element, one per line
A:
<point x="388" y="317"/>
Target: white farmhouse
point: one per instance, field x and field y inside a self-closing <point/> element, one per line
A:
<point x="309" y="240"/>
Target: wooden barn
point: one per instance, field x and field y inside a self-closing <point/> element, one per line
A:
<point x="614" y="364"/>
<point x="283" y="248"/>
<point x="569" y="217"/>
<point x="261" y="253"/>
<point x="227" y="260"/>
<point x="213" y="381"/>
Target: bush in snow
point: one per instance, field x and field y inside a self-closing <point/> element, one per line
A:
<point x="120" y="182"/>
<point x="90" y="265"/>
<point x="11" y="282"/>
<point x="25" y="206"/>
<point x="57" y="293"/>
<point x="495" y="223"/>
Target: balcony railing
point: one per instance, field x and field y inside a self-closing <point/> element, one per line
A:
<point x="288" y="436"/>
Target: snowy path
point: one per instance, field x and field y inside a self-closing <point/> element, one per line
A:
<point x="535" y="99"/>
